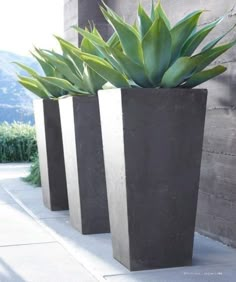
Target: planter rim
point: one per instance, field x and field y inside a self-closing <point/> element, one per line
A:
<point x="154" y="89"/>
<point x="40" y="100"/>
<point x="81" y="99"/>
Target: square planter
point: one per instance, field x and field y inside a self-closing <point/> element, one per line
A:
<point x="152" y="142"/>
<point x="82" y="140"/>
<point x="51" y="157"/>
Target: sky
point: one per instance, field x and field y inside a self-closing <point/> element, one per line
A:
<point x="25" y="23"/>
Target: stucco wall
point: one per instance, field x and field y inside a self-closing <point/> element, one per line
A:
<point x="217" y="196"/>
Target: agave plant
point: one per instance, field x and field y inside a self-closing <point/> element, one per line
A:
<point x="35" y="83"/>
<point x="63" y="74"/>
<point x="153" y="53"/>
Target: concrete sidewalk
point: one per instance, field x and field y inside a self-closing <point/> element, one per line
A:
<point x="38" y="245"/>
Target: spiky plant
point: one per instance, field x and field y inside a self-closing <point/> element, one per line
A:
<point x="34" y="174"/>
<point x="63" y="73"/>
<point x="153" y="53"/>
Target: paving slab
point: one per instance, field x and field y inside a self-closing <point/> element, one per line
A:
<point x="32" y="198"/>
<point x="15" y="185"/>
<point x="93" y="251"/>
<point x="212" y="261"/>
<point x="182" y="274"/>
<point x="210" y="252"/>
<point x="5" y="199"/>
<point x="17" y="227"/>
<point x="40" y="263"/>
<point x="14" y="170"/>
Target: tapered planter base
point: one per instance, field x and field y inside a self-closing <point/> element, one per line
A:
<point x="84" y="162"/>
<point x="51" y="156"/>
<point x="152" y="140"/>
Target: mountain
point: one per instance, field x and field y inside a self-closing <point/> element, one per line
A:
<point x="15" y="100"/>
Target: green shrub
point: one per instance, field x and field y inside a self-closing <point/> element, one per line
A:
<point x="17" y="142"/>
<point x="34" y="175"/>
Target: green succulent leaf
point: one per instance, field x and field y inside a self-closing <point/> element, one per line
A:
<point x="102" y="46"/>
<point x="153" y="15"/>
<point x="60" y="83"/>
<point x="96" y="32"/>
<point x="159" y="12"/>
<point x="92" y="80"/>
<point x="104" y="69"/>
<point x="207" y="57"/>
<point x="203" y="76"/>
<point x="157" y="51"/>
<point x="217" y="40"/>
<point x="181" y="31"/>
<point x="46" y="67"/>
<point x="194" y="41"/>
<point x="90" y="36"/>
<point x="69" y="49"/>
<point x="88" y="47"/>
<point x="180" y="71"/>
<point x="144" y="21"/>
<point x="34" y="86"/>
<point x="52" y="89"/>
<point x="64" y="60"/>
<point x="64" y="69"/>
<point x="129" y="37"/>
<point x="113" y="41"/>
<point x="29" y="70"/>
<point x="131" y="69"/>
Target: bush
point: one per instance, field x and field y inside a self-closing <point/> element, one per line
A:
<point x="17" y="142"/>
<point x="34" y="175"/>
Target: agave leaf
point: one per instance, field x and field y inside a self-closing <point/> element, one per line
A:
<point x="88" y="47"/>
<point x="112" y="13"/>
<point x="101" y="45"/>
<point x="61" y="84"/>
<point x="52" y="89"/>
<point x="217" y="40"/>
<point x="194" y="41"/>
<point x="104" y="69"/>
<point x="129" y="38"/>
<point x="92" y="80"/>
<point x="90" y="36"/>
<point x="181" y="31"/>
<point x="96" y="32"/>
<point x="144" y="21"/>
<point x="34" y="86"/>
<point x="203" y="76"/>
<point x="207" y="57"/>
<point x="135" y="72"/>
<point x="157" y="51"/>
<point x="66" y="60"/>
<point x="46" y="67"/>
<point x="159" y="12"/>
<point x="113" y="41"/>
<point x="69" y="49"/>
<point x="40" y="54"/>
<point x="65" y="42"/>
<point x="153" y="15"/>
<point x="29" y="70"/>
<point x="181" y="70"/>
<point x="107" y="53"/>
<point x="65" y="70"/>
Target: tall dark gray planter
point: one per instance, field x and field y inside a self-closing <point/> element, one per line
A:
<point x="84" y="163"/>
<point x="51" y="157"/>
<point x="152" y="141"/>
